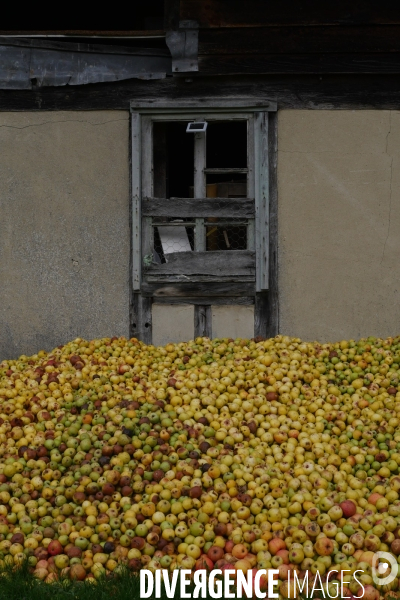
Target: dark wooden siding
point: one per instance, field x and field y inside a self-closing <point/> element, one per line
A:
<point x="255" y="13"/>
<point x="264" y="37"/>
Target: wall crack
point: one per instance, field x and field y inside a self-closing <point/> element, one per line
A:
<point x="61" y="121"/>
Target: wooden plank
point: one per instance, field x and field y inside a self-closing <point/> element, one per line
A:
<point x="300" y="39"/>
<point x="294" y="91"/>
<point x="199" y="165"/>
<point x="177" y="105"/>
<point x="261" y="315"/>
<point x="219" y="264"/>
<point x="147" y="243"/>
<point x="198" y="289"/>
<point x="147" y="190"/>
<point x="226" y="300"/>
<point x="202" y="321"/>
<point x="251" y="235"/>
<point x="171" y="14"/>
<point x="272" y="297"/>
<point x="133" y="314"/>
<point x="261" y="199"/>
<point x="224" y="171"/>
<point x="301" y="63"/>
<point x="253" y="13"/>
<point x="145" y="326"/>
<point x="200" y="188"/>
<point x="181" y="278"/>
<point x="136" y="200"/>
<point x="199" y="207"/>
<point x="147" y="157"/>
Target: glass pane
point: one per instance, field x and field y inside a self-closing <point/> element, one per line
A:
<point x="227" y="144"/>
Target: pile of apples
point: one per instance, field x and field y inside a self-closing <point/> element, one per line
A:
<point x="230" y="454"/>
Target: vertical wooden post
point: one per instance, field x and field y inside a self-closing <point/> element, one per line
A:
<point x="272" y="302"/>
<point x="171" y="14"/>
<point x="262" y="223"/>
<point x="261" y="315"/>
<point x="145" y="303"/>
<point x="261" y="199"/>
<point x="202" y="321"/>
<point x="133" y="316"/>
<point x="142" y="177"/>
<point x="141" y="320"/>
<point x="202" y="313"/>
<point x="145" y="319"/>
<point x="136" y="200"/>
<point x="199" y="187"/>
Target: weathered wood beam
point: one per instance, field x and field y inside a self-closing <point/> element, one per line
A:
<point x="199" y="207"/>
<point x="220" y="264"/>
<point x="318" y="91"/>
<point x="198" y="289"/>
<point x="300" y="39"/>
<point x="253" y="13"/>
<point x="268" y="304"/>
<point x="301" y="63"/>
<point x="202" y="320"/>
<point x="202" y="300"/>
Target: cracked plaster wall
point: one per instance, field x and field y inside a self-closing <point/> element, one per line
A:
<point x="339" y="223"/>
<point x="64" y="228"/>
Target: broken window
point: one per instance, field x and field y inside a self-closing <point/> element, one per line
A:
<point x="221" y="161"/>
<point x="201" y="203"/>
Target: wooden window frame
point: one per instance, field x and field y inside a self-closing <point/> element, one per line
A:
<point x="143" y="114"/>
<point x="226" y="260"/>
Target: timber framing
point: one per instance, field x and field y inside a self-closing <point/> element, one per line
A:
<point x="310" y="92"/>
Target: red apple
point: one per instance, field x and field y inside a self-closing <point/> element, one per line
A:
<point x="215" y="553"/>
<point x="349" y="508"/>
<point x="55" y="548"/>
<point x="204" y="562"/>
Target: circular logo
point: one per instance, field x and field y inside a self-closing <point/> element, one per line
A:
<point x="384" y="563"/>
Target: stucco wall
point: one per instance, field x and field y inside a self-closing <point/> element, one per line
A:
<point x="64" y="228"/>
<point x="339" y="223"/>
